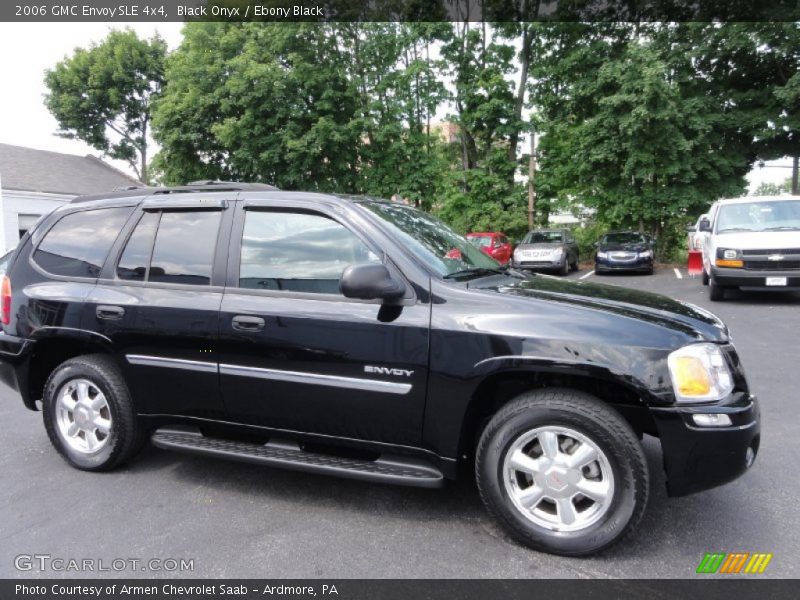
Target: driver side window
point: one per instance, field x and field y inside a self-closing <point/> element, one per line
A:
<point x="297" y="252"/>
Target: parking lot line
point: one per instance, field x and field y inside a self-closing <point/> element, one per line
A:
<point x="678" y="273"/>
<point x="587" y="275"/>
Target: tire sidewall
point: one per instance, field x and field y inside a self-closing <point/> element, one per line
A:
<point x="60" y="377"/>
<point x="595" y="537"/>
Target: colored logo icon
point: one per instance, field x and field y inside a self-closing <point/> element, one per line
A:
<point x="734" y="562"/>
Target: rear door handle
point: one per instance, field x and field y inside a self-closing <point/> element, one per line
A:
<point x="109" y="313"/>
<point x="248" y="323"/>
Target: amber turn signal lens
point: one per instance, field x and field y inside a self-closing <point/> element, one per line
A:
<point x="691" y="376"/>
<point x="729" y="263"/>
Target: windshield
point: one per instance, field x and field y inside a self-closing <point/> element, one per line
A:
<point x="430" y="240"/>
<point x="543" y="237"/>
<point x="773" y="215"/>
<point x="482" y="241"/>
<point x="623" y="238"/>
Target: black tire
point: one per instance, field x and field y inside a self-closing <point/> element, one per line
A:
<point x="564" y="268"/>
<point x="704" y="277"/>
<point x="574" y="265"/>
<point x="125" y="437"/>
<point x="600" y="424"/>
<point x="716" y="292"/>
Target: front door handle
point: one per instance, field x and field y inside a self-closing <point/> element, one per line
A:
<point x="109" y="313"/>
<point x="248" y="323"/>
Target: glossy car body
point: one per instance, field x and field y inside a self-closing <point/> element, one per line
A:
<point x="415" y="378"/>
<point x="624" y="251"/>
<point x="547" y="250"/>
<point x="493" y="243"/>
<point x="752" y="242"/>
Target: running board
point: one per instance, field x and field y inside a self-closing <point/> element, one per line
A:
<point x="285" y="454"/>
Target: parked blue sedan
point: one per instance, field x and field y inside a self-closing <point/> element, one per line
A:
<point x="624" y="251"/>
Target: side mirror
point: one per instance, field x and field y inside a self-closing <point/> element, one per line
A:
<point x="705" y="225"/>
<point x="370" y="281"/>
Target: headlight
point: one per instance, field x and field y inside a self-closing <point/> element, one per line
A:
<point x="557" y="252"/>
<point x="602" y="255"/>
<point x="728" y="257"/>
<point x="699" y="373"/>
<point x="646" y="254"/>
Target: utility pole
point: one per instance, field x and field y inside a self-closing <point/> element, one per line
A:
<point x="532" y="183"/>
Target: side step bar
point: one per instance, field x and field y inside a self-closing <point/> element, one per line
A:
<point x="286" y="454"/>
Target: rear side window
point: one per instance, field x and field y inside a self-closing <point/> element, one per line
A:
<point x="182" y="252"/>
<point x="77" y="245"/>
<point x="136" y="257"/>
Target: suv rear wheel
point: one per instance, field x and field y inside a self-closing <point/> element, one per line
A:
<point x="88" y="414"/>
<point x="562" y="472"/>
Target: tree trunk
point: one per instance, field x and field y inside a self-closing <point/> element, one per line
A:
<point x="527" y="41"/>
<point x="532" y="184"/>
<point x="143" y="170"/>
<point x="794" y="175"/>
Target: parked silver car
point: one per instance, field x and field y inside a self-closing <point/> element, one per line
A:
<point x="547" y="250"/>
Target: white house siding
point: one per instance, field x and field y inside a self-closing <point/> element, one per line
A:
<point x="14" y="203"/>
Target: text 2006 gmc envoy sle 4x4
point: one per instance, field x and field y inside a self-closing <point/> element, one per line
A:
<point x="362" y="338"/>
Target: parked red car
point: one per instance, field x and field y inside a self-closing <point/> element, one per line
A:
<point x="493" y="243"/>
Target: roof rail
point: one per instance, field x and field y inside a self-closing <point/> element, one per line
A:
<point x="195" y="186"/>
<point x="218" y="186"/>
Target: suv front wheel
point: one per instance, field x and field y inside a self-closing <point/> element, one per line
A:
<point x="562" y="472"/>
<point x="89" y="415"/>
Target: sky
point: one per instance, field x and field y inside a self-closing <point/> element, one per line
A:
<point x="27" y="49"/>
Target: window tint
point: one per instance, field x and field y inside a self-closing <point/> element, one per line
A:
<point x="184" y="248"/>
<point x="297" y="252"/>
<point x="77" y="245"/>
<point x="136" y="257"/>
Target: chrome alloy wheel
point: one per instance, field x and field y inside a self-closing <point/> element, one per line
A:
<point x="83" y="416"/>
<point x="558" y="478"/>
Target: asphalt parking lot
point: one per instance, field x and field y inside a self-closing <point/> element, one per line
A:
<point x="237" y="520"/>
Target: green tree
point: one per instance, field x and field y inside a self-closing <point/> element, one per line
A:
<point x="103" y="95"/>
<point x="329" y="107"/>
<point x="773" y="189"/>
<point x="755" y="69"/>
<point x="481" y="193"/>
<point x="632" y="128"/>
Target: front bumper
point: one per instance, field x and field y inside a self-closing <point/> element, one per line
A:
<point x="609" y="264"/>
<point x="698" y="458"/>
<point x="539" y="264"/>
<point x="14" y="365"/>
<point x="753" y="278"/>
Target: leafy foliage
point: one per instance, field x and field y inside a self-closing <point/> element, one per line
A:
<point x="103" y="95"/>
<point x="645" y="123"/>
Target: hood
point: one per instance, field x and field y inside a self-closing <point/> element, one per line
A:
<point x="628" y="246"/>
<point x="655" y="309"/>
<point x="758" y="240"/>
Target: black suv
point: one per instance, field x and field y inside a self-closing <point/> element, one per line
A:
<point x="363" y="338"/>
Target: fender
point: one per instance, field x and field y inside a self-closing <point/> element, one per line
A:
<point x="631" y="379"/>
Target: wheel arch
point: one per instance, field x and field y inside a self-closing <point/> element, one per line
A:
<point x="53" y="346"/>
<point x="503" y="385"/>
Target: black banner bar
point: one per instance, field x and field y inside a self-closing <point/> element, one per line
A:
<point x="117" y="11"/>
<point x="740" y="588"/>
